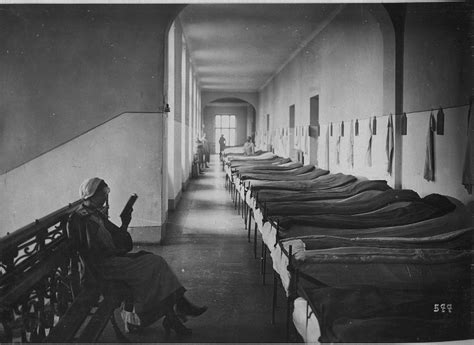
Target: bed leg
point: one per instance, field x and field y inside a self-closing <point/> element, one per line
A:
<point x="264" y="262"/>
<point x="255" y="241"/>
<point x="238" y="202"/>
<point x="249" y="218"/>
<point x="249" y="225"/>
<point x="244" y="211"/>
<point x="288" y="318"/>
<point x="235" y="197"/>
<point x="274" y="304"/>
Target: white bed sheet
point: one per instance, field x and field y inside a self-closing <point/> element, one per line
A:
<point x="305" y="321"/>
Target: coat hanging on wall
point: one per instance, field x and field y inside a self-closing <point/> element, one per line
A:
<point x="306" y="141"/>
<point x="389" y="144"/>
<point x="338" y="145"/>
<point x="468" y="170"/>
<point x="327" y="148"/>
<point x="368" y="154"/>
<point x="440" y="122"/>
<point x="350" y="151"/>
<point x="429" y="170"/>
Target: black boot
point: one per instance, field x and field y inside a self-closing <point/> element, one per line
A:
<point x="172" y="322"/>
<point x="186" y="308"/>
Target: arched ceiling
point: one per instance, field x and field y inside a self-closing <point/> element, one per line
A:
<point x="239" y="47"/>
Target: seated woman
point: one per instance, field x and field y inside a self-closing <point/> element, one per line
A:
<point x="155" y="289"/>
<point x="249" y="147"/>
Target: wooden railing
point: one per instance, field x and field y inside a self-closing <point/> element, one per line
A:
<point x="40" y="276"/>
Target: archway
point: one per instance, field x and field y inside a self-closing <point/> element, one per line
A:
<point x="232" y="117"/>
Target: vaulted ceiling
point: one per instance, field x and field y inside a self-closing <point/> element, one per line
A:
<point x="239" y="47"/>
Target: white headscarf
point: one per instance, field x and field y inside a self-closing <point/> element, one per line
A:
<point x="89" y="187"/>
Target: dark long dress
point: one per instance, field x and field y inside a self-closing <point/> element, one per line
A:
<point x="153" y="284"/>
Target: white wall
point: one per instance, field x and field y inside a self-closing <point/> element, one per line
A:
<point x="126" y="152"/>
<point x="350" y="64"/>
<point x="449" y="154"/>
<point x="344" y="64"/>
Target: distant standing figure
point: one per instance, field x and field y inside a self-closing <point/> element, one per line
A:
<point x="200" y="153"/>
<point x="206" y="151"/>
<point x="249" y="147"/>
<point x="222" y="143"/>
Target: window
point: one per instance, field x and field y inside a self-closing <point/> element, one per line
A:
<point x="225" y="124"/>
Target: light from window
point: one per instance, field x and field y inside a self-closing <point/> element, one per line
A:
<point x="225" y="124"/>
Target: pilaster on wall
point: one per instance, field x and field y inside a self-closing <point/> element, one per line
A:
<point x="397" y="14"/>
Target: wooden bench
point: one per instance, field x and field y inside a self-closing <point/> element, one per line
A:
<point x="47" y="292"/>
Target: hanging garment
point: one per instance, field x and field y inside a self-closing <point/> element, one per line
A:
<point x="468" y="170"/>
<point x="307" y="138"/>
<point x="350" y="154"/>
<point x="338" y="145"/>
<point x="299" y="137"/>
<point x="327" y="147"/>
<point x="368" y="154"/>
<point x="389" y="144"/>
<point x="429" y="173"/>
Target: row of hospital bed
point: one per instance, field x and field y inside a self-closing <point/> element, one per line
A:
<point x="358" y="260"/>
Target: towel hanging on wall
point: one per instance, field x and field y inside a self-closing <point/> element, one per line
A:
<point x="350" y="155"/>
<point x="306" y="139"/>
<point x="368" y="154"/>
<point x="327" y="148"/>
<point x="389" y="144"/>
<point x="429" y="173"/>
<point x="468" y="170"/>
<point x="338" y="145"/>
<point x="297" y="140"/>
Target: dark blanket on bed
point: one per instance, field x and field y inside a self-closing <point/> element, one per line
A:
<point x="339" y="192"/>
<point x="432" y="206"/>
<point x="324" y="182"/>
<point x="302" y="174"/>
<point x="458" y="239"/>
<point x="353" y="205"/>
<point x="256" y="162"/>
<point x="263" y="169"/>
<point x="368" y="314"/>
<point x="275" y="174"/>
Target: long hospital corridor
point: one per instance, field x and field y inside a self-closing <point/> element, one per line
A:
<point x="208" y="248"/>
<point x="239" y="172"/>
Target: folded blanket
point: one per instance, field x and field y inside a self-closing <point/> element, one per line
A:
<point x="416" y="211"/>
<point x="300" y="175"/>
<point x="262" y="168"/>
<point x="370" y="314"/>
<point x="265" y="155"/>
<point x="399" y="268"/>
<point x="340" y="192"/>
<point x="457" y="239"/>
<point x="361" y="203"/>
<point x="458" y="219"/>
<point x="276" y="175"/>
<point x="243" y="163"/>
<point x="323" y="182"/>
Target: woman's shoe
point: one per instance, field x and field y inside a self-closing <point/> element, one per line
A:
<point x="186" y="308"/>
<point x="173" y="323"/>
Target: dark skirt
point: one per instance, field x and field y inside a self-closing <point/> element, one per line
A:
<point x="153" y="284"/>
